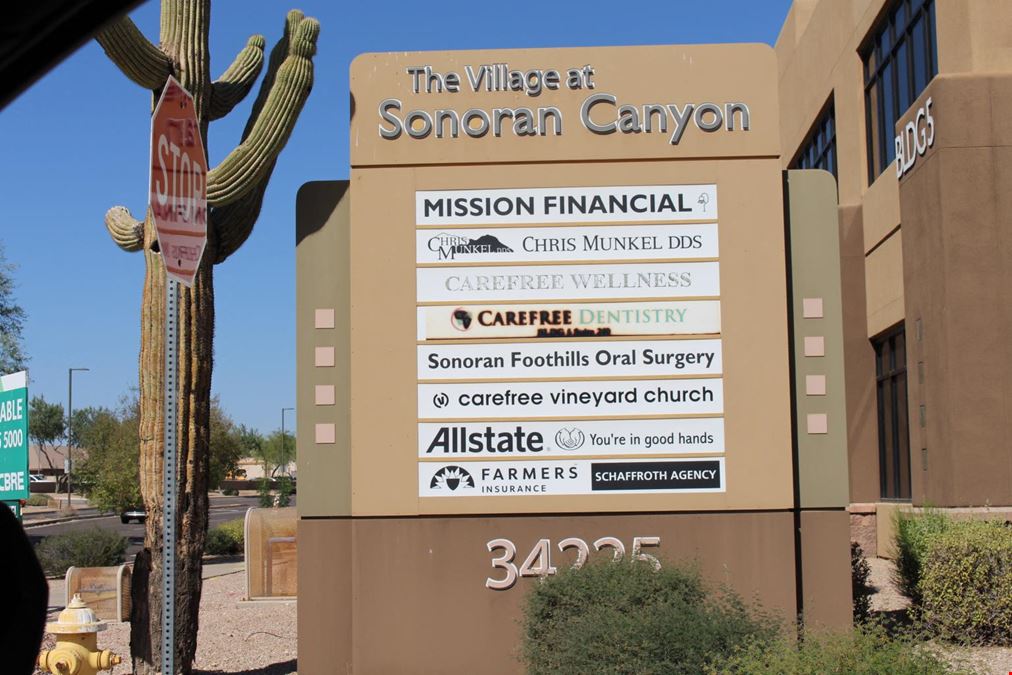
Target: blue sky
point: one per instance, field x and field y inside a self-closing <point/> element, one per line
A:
<point x="76" y="143"/>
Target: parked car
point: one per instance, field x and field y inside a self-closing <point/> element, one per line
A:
<point x="133" y="513"/>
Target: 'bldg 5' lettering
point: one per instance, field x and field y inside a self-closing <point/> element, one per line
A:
<point x="917" y="136"/>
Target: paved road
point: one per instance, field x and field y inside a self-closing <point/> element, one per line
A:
<point x="222" y="509"/>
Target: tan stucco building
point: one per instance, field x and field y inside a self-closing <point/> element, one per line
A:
<point x="926" y="255"/>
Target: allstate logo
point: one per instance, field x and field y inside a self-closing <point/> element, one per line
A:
<point x="569" y="439"/>
<point x="450" y="478"/>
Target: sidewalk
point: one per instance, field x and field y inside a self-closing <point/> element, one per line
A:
<point x="33" y="516"/>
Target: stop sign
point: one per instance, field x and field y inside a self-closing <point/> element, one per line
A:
<point x="178" y="195"/>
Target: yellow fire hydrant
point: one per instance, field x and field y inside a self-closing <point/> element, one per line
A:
<point x="76" y="651"/>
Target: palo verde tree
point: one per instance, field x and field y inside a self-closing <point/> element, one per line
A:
<point x="12" y="321"/>
<point x="235" y="190"/>
<point x="46" y="425"/>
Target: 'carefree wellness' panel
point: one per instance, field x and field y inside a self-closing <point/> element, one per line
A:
<point x="568" y="282"/>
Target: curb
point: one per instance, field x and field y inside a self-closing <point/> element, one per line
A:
<point x="54" y="521"/>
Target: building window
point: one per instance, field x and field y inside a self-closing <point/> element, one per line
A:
<point x="900" y="58"/>
<point x="819" y="149"/>
<point x="893" y="423"/>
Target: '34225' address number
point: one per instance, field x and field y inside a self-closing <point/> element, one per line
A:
<point x="538" y="562"/>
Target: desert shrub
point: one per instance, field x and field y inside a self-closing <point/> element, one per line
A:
<point x="265" y="494"/>
<point x="627" y="618"/>
<point x="914" y="533"/>
<point x="966" y="583"/>
<point x="225" y="539"/>
<point x="37" y="500"/>
<point x="85" y="548"/>
<point x="866" y="650"/>
<point x="861" y="590"/>
<point x="285" y="490"/>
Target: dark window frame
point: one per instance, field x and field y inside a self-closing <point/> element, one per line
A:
<point x="818" y="150"/>
<point x="893" y="414"/>
<point x="880" y="56"/>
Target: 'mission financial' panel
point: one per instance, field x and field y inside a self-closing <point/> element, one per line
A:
<point x="630" y="261"/>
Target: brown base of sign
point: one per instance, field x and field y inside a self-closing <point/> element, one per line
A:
<point x="408" y="595"/>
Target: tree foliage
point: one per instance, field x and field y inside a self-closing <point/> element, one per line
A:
<point x="46" y="425"/>
<point x="12" y="321"/>
<point x="274" y="455"/>
<point x="110" y="475"/>
<point x="226" y="445"/>
<point x="81" y="420"/>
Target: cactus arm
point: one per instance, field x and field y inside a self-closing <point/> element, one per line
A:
<point x="250" y="163"/>
<point x="139" y="60"/>
<point x="235" y="83"/>
<point x="233" y="224"/>
<point x="125" y="230"/>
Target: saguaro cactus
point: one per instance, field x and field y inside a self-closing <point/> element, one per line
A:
<point x="235" y="191"/>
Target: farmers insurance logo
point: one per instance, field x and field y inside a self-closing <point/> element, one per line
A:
<point x="450" y="478"/>
<point x="449" y="245"/>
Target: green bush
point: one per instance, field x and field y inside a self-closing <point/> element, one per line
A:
<point x="861" y="590"/>
<point x="914" y="533"/>
<point x="966" y="584"/>
<point x="37" y="500"/>
<point x="866" y="650"/>
<point x="285" y="490"/>
<point x="85" y="548"/>
<point x="225" y="539"/>
<point x="626" y="618"/>
<point x="265" y="494"/>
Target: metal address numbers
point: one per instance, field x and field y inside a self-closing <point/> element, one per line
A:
<point x="538" y="562"/>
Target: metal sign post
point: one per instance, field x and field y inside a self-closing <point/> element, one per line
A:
<point x="179" y="210"/>
<point x="169" y="483"/>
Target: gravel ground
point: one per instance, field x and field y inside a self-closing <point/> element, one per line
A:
<point x="887" y="598"/>
<point x="236" y="638"/>
<point x="983" y="660"/>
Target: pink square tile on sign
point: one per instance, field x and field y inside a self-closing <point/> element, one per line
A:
<point x="326" y="433"/>
<point x="324" y="318"/>
<point x="324" y="394"/>
<point x="815" y="385"/>
<point x="818" y="423"/>
<point x="323" y="357"/>
<point x="811" y="308"/>
<point x="815" y="346"/>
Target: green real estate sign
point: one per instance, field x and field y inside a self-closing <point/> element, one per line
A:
<point x="14" y="437"/>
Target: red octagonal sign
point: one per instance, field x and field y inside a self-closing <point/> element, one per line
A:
<point x="178" y="194"/>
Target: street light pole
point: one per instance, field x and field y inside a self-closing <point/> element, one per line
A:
<point x="70" y="424"/>
<point x="284" y="457"/>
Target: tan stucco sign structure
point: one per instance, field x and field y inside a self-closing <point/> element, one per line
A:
<point x="557" y="286"/>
